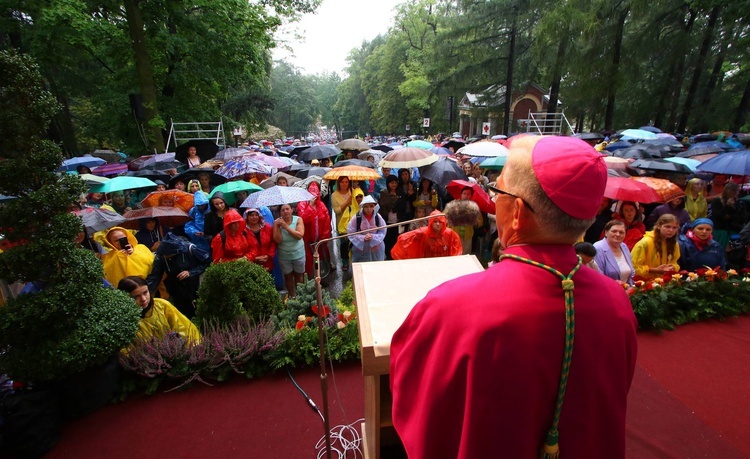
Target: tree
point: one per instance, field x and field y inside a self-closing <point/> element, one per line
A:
<point x="295" y="110"/>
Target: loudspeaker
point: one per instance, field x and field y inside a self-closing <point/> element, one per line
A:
<point x="136" y="105"/>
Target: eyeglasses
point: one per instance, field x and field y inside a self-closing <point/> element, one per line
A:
<point x="498" y="192"/>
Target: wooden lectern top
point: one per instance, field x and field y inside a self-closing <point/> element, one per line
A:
<point x="386" y="291"/>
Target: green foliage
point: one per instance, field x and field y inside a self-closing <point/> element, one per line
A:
<point x="301" y="347"/>
<point x="345" y="301"/>
<point x="48" y="336"/>
<point x="236" y="288"/>
<point x="670" y="303"/>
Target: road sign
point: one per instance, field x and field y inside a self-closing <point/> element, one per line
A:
<point x="408" y="127"/>
<point x="425" y="122"/>
<point x="485" y="128"/>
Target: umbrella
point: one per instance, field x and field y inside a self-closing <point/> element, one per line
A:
<point x="160" y="158"/>
<point x="193" y="173"/>
<point x="317" y="152"/>
<point x="4" y="198"/>
<point x="664" y="188"/>
<point x="480" y="196"/>
<point x="276" y="196"/>
<point x="123" y="183"/>
<point x="419" y="144"/>
<point x="353" y="144"/>
<point x="660" y="165"/>
<point x="690" y="163"/>
<point x="377" y="154"/>
<point x="618" y="145"/>
<point x="319" y="171"/>
<point x="495" y="163"/>
<point x="638" y="152"/>
<point x="441" y="151"/>
<point x="668" y="143"/>
<point x="484" y="149"/>
<point x="734" y="163"/>
<point x="163" y="166"/>
<point x="408" y="157"/>
<point x="273" y="161"/>
<point x="353" y="172"/>
<point x="169" y="198"/>
<point x="589" y="136"/>
<point x="230" y="153"/>
<point x="443" y="171"/>
<point x="241" y="166"/>
<point x="88" y="161"/>
<point x="704" y="148"/>
<point x="312" y="178"/>
<point x="95" y="219"/>
<point x="92" y="180"/>
<point x="168" y="216"/>
<point x="151" y="175"/>
<point x="636" y="134"/>
<point x="354" y="162"/>
<point x="205" y="148"/>
<point x="626" y="189"/>
<point x="383" y="148"/>
<point x="271" y="181"/>
<point x="230" y="188"/>
<point x="455" y="143"/>
<point x="702" y="158"/>
<point x="651" y="129"/>
<point x="499" y="137"/>
<point x="110" y="169"/>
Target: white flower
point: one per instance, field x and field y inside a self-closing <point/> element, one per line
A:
<point x="301" y="318"/>
<point x="340" y="325"/>
<point x="347" y="314"/>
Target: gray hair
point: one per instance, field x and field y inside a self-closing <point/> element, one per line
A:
<point x="521" y="180"/>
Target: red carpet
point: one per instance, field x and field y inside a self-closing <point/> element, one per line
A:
<point x="689" y="399"/>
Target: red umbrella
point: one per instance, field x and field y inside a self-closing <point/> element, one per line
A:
<point x="167" y="216"/>
<point x="480" y="196"/>
<point x="626" y="189"/>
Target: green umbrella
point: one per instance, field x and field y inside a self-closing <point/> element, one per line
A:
<point x="419" y="144"/>
<point x="494" y="163"/>
<point x="230" y="188"/>
<point x="122" y="183"/>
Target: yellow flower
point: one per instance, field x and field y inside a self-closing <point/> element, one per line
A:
<point x="731" y="272"/>
<point x="710" y="272"/>
<point x="657" y="281"/>
<point x="692" y="277"/>
<point x="676" y="277"/>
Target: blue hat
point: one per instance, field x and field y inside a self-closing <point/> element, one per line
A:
<point x="702" y="221"/>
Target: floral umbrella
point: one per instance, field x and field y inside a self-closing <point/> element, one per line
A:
<point x="666" y="189"/>
<point x="241" y="166"/>
<point x="276" y="196"/>
<point x="168" y="216"/>
<point x="408" y="157"/>
<point x="353" y="172"/>
<point x="169" y="198"/>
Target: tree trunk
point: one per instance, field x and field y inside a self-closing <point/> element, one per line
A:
<point x="145" y="76"/>
<point x="692" y="91"/>
<point x="661" y="108"/>
<point x="612" y="91"/>
<point x="679" y="74"/>
<point x="509" y="76"/>
<point x="554" y="93"/>
<point x="702" y="125"/>
<point x="743" y="110"/>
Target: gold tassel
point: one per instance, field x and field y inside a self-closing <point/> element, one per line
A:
<point x="551" y="448"/>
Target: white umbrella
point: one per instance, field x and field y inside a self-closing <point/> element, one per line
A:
<point x="483" y="149"/>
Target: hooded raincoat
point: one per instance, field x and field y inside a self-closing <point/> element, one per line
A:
<point x="317" y="222"/>
<point x="426" y="243"/>
<point x="644" y="255"/>
<point x="162" y="319"/>
<point x="697" y="207"/>
<point x="362" y="249"/>
<point x="232" y="246"/>
<point x="118" y="264"/>
<point x="197" y="221"/>
<point x="263" y="244"/>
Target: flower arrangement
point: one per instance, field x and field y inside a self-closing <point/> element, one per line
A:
<point x="676" y="299"/>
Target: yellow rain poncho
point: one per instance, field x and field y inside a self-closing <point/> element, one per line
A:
<point x="118" y="265"/>
<point x="163" y="319"/>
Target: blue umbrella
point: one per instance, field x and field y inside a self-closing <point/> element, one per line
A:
<point x="495" y="163"/>
<point x="692" y="164"/>
<point x="618" y="145"/>
<point x="651" y="129"/>
<point x="88" y="161"/>
<point x="734" y="163"/>
<point x="442" y="151"/>
<point x="276" y="196"/>
<point x="637" y="134"/>
<point x="4" y="198"/>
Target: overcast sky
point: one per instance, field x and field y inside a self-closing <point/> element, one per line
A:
<point x="328" y="35"/>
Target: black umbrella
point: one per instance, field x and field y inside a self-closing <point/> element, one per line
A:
<point x="319" y="171"/>
<point x="355" y="162"/>
<point x="640" y="151"/>
<point x="318" y="152"/>
<point x="193" y="173"/>
<point x="383" y="148"/>
<point x="660" y="165"/>
<point x="443" y="171"/>
<point x="163" y="166"/>
<point x="299" y="149"/>
<point x="455" y="143"/>
<point x="206" y="149"/>
<point x="671" y="145"/>
<point x="151" y="175"/>
<point x="589" y="136"/>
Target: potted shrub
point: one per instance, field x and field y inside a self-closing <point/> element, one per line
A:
<point x="69" y="322"/>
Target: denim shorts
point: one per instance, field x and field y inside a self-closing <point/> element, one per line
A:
<point x="289" y="266"/>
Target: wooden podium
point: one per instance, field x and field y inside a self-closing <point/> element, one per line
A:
<point x="384" y="293"/>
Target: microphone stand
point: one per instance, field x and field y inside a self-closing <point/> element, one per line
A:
<point x="321" y="343"/>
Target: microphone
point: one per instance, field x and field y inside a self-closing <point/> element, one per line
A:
<point x="462" y="213"/>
